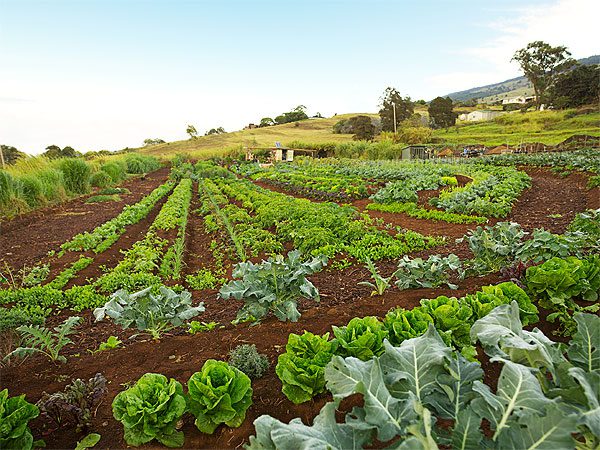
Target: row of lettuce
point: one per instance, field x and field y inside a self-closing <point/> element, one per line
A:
<point x="418" y="392"/>
<point x="489" y="192"/>
<point x="37" y="182"/>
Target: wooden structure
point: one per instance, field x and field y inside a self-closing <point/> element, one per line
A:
<point x="269" y="154"/>
<point x="416" y="152"/>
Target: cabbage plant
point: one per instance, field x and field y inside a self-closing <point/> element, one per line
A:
<point x="218" y="394"/>
<point x="150" y="410"/>
<point x="361" y="338"/>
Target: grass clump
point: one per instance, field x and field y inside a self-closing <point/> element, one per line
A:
<point x="103" y="198"/>
<point x="101" y="179"/>
<point x="77" y="175"/>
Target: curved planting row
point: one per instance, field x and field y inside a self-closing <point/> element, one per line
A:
<point x="319" y="228"/>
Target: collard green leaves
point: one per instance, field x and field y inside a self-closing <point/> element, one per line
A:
<point x="274" y="285"/>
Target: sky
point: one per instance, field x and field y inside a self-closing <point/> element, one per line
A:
<point x="107" y="74"/>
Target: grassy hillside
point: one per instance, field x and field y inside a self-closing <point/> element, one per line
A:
<point x="310" y="131"/>
<point x="548" y="127"/>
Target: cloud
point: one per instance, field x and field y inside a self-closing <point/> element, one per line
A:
<point x="571" y="23"/>
<point x="565" y="22"/>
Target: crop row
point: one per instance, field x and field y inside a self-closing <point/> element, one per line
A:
<point x="316" y="228"/>
<point x="142" y="262"/>
<point x="411" y="209"/>
<point x="103" y="236"/>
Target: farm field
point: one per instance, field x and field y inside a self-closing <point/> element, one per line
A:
<point x="438" y="230"/>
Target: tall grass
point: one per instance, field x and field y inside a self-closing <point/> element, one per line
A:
<point x="37" y="181"/>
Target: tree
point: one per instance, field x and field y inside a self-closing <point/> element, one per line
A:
<point x="212" y="131"/>
<point x="151" y="141"/>
<point x="9" y="154"/>
<point x="266" y="122"/>
<point x="542" y="64"/>
<point x="441" y="114"/>
<point x="191" y="130"/>
<point x="404" y="108"/>
<point x="296" y="114"/>
<point x="362" y="127"/>
<point x="580" y="86"/>
<point x="55" y="152"/>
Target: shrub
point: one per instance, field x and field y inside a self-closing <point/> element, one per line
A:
<point x="140" y="164"/>
<point x="32" y="190"/>
<point x="150" y="410"/>
<point x="219" y="394"/>
<point x="117" y="172"/>
<point x="101" y="179"/>
<point x="246" y="358"/>
<point x="76" y="174"/>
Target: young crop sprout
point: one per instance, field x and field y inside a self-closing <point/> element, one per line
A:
<point x="381" y="283"/>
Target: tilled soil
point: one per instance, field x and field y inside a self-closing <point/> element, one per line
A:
<point x="25" y="240"/>
<point x="179" y="354"/>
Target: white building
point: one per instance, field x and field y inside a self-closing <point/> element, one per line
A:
<point x="520" y="100"/>
<point x="478" y="116"/>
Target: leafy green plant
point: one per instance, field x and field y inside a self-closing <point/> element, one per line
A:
<point x="380" y="284"/>
<point x="103" y="198"/>
<point x="76" y="405"/>
<point x="452" y="317"/>
<point x="433" y="272"/>
<point x="152" y="313"/>
<point x="151" y="409"/>
<point x="493" y="247"/>
<point x="273" y="285"/>
<point x="246" y="358"/>
<point x="544" y="245"/>
<point x="588" y="223"/>
<point x="301" y="368"/>
<point x="361" y="338"/>
<point x="89" y="441"/>
<point x="35" y="275"/>
<point x="402" y="324"/>
<point x="111" y="343"/>
<point x="218" y="394"/>
<point x="544" y="398"/>
<point x="39" y="339"/>
<point x="15" y="414"/>
<point x="204" y="279"/>
<point x="11" y="318"/>
<point x="558" y="282"/>
<point x="198" y="327"/>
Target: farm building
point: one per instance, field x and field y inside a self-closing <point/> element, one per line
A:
<point x="481" y="115"/>
<point x="416" y="152"/>
<point x="272" y="154"/>
<point x="519" y="100"/>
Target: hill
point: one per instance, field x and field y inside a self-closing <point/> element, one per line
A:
<point x="309" y="131"/>
<point x="509" y="88"/>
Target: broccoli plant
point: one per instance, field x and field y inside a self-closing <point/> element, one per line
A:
<point x="152" y="313"/>
<point x="273" y="285"/>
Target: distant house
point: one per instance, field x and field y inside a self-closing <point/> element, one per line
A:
<point x="416" y="152"/>
<point x="481" y="115"/>
<point x="519" y="100"/>
<point x="269" y="154"/>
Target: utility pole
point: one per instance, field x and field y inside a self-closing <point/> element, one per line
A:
<point x="2" y="157"/>
<point x="394" y="106"/>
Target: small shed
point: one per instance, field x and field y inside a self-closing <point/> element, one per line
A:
<point x="416" y="152"/>
<point x="269" y="154"/>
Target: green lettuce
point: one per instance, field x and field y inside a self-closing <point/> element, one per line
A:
<point x="361" y="338"/>
<point x="484" y="301"/>
<point x="219" y="394"/>
<point x="301" y="368"/>
<point x="150" y="410"/>
<point x="403" y="324"/>
<point x="452" y="318"/>
<point x="15" y="414"/>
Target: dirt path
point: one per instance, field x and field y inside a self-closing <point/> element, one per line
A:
<point x="27" y="239"/>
